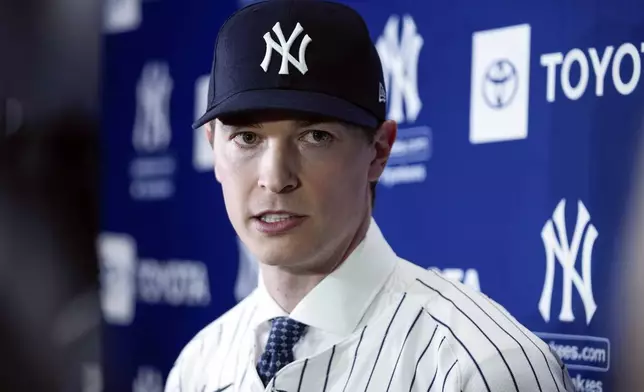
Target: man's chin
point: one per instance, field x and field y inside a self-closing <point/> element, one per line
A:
<point x="276" y="256"/>
<point x="275" y="246"/>
<point x="278" y="260"/>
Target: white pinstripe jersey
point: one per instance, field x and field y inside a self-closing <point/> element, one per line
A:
<point x="378" y="323"/>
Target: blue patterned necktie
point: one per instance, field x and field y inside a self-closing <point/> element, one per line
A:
<point x="285" y="333"/>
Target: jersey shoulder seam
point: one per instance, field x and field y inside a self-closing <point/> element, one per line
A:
<point x="450" y="344"/>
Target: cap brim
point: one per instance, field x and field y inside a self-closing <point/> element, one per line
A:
<point x="300" y="101"/>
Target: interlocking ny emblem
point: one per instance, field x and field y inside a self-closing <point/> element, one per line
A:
<point x="400" y="65"/>
<point x="566" y="253"/>
<point x="152" y="130"/>
<point x="284" y="49"/>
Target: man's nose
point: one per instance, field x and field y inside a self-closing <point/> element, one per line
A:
<point x="278" y="169"/>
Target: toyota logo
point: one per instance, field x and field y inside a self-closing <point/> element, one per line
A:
<point x="500" y="84"/>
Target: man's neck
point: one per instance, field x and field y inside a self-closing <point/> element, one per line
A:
<point x="288" y="288"/>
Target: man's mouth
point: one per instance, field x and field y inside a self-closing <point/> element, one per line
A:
<point x="273" y="218"/>
<point x="277" y="222"/>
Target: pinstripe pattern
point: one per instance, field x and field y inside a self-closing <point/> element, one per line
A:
<point x="447" y="375"/>
<point x="411" y="385"/>
<point x="382" y="343"/>
<point x="547" y="364"/>
<point x="299" y="385"/>
<point x="503" y="329"/>
<point x="355" y="357"/>
<point x="328" y="369"/>
<point x="401" y="350"/>
<point x="410" y="330"/>
<point x="514" y="381"/>
<point x="431" y="384"/>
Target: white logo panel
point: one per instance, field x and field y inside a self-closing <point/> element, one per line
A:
<point x="202" y="159"/>
<point x="121" y="16"/>
<point x="566" y="252"/>
<point x="117" y="256"/>
<point x="499" y="93"/>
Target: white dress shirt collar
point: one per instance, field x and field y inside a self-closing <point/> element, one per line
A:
<point x="339" y="301"/>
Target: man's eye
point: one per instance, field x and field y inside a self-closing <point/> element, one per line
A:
<point x="318" y="137"/>
<point x="246" y="138"/>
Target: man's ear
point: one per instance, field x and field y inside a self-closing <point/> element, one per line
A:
<point x="210" y="135"/>
<point x="383" y="142"/>
<point x="209" y="132"/>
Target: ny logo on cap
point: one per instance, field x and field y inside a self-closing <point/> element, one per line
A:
<point x="284" y="49"/>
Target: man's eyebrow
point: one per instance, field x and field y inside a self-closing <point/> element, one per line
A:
<point x="236" y="125"/>
<point x="308" y="123"/>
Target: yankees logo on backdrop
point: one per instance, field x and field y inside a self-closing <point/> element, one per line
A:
<point x="152" y="130"/>
<point x="284" y="49"/>
<point x="566" y="252"/>
<point x="400" y="54"/>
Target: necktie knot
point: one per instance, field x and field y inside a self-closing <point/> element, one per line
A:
<point x="287" y="329"/>
<point x="283" y="336"/>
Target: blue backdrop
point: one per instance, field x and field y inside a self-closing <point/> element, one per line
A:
<point x="518" y="123"/>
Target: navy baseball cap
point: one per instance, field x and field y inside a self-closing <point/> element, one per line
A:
<point x="308" y="56"/>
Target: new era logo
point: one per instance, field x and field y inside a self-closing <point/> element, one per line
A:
<point x="500" y="84"/>
<point x="382" y="94"/>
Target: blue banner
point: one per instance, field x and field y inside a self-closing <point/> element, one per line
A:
<point x="518" y="126"/>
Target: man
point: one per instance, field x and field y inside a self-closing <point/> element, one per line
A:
<point x="296" y="117"/>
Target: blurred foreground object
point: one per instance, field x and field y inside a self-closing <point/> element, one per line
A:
<point x="50" y="329"/>
<point x="629" y="295"/>
<point x="50" y="53"/>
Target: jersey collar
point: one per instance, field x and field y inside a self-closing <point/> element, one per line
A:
<point x="339" y="301"/>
